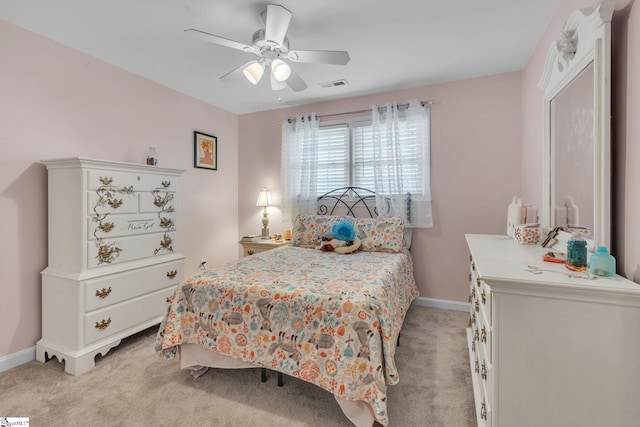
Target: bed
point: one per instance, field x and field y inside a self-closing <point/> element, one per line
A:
<point x="330" y="319"/>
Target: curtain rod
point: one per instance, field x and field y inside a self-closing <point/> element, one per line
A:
<point x="382" y="109"/>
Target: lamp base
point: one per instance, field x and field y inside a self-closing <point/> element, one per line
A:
<point x="265" y="222"/>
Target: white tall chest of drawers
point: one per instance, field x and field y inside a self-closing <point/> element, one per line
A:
<point x="549" y="347"/>
<point x="112" y="256"/>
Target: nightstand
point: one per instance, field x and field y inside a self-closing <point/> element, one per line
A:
<point x="260" y="245"/>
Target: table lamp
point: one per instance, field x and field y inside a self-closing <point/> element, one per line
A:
<point x="264" y="200"/>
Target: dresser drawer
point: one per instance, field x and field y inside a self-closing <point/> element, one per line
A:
<point x="485" y="333"/>
<point x="130" y="225"/>
<point x="139" y="181"/>
<point x="485" y="298"/>
<point x="115" y="251"/>
<point x="118" y="203"/>
<point x="102" y="323"/>
<point x="114" y="288"/>
<point x="252" y="250"/>
<point x="486" y="411"/>
<point x="158" y="201"/>
<point x="486" y="371"/>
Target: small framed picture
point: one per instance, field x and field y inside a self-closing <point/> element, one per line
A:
<point x="206" y="151"/>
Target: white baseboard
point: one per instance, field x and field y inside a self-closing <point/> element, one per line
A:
<point x="18" y="358"/>
<point x="442" y="303"/>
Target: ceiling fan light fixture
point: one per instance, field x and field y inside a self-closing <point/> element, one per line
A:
<point x="280" y="70"/>
<point x="253" y="72"/>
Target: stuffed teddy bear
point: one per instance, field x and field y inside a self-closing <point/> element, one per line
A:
<point x="341" y="239"/>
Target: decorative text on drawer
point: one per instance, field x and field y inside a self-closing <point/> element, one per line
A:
<point x="129" y="225"/>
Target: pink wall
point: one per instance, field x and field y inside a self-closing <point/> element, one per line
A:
<point x="625" y="106"/>
<point x="475" y="158"/>
<point x="57" y="102"/>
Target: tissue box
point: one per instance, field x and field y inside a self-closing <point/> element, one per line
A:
<point x="527" y="234"/>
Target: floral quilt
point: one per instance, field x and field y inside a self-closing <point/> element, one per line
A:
<point x="329" y="319"/>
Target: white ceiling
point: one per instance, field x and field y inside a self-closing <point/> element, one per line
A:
<point x="393" y="44"/>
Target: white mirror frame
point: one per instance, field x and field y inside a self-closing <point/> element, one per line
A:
<point x="585" y="39"/>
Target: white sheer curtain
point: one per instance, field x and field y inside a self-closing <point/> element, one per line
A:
<point x="299" y="165"/>
<point x="401" y="145"/>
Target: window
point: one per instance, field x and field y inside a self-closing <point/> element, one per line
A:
<point x="388" y="154"/>
<point x="346" y="157"/>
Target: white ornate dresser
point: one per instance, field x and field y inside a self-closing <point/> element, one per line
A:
<point x="112" y="263"/>
<point x="550" y="347"/>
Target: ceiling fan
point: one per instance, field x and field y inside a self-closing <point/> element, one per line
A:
<point x="271" y="45"/>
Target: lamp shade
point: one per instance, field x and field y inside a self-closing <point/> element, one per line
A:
<point x="280" y="69"/>
<point x="264" y="198"/>
<point x="253" y="72"/>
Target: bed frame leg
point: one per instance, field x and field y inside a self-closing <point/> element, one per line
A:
<point x="280" y="379"/>
<point x="263" y="376"/>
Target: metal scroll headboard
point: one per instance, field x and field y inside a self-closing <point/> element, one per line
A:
<point x="353" y="201"/>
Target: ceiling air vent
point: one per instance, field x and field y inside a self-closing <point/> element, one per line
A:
<point x="335" y="83"/>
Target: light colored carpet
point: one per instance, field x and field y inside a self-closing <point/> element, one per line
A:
<point x="132" y="386"/>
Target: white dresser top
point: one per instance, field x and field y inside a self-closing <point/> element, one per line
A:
<point x="499" y="258"/>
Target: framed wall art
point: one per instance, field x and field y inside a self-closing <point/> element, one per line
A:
<point x="205" y="151"/>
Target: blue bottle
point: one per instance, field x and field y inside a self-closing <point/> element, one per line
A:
<point x="602" y="263"/>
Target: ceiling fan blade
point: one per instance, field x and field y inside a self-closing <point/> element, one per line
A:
<point x="235" y="74"/>
<point x="221" y="41"/>
<point x="337" y="57"/>
<point x="295" y="82"/>
<point x="277" y="23"/>
<point x="275" y="84"/>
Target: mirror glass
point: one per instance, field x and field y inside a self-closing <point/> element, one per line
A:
<point x="577" y="108"/>
<point x="572" y="193"/>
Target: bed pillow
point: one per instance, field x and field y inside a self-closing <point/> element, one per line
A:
<point x="308" y="230"/>
<point x="380" y="234"/>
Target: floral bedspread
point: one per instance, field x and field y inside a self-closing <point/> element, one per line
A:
<point x="329" y="319"/>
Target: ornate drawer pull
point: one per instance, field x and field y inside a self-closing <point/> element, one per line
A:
<point x="166" y="184"/>
<point x="477" y="367"/>
<point x="103" y="324"/>
<point x="106" y="227"/>
<point x="473" y="346"/>
<point x="469" y="276"/>
<point x="484" y="297"/>
<point x="470" y="258"/>
<point x="478" y="282"/>
<point x="250" y="252"/>
<point x="114" y="203"/>
<point x="470" y="298"/>
<point x="483" y="411"/>
<point x="172" y="274"/>
<point x="477" y="306"/>
<point x="484" y="335"/>
<point x="102" y="294"/>
<point x="168" y="300"/>
<point x="484" y="371"/>
<point x="473" y="266"/>
<point x="476" y="336"/>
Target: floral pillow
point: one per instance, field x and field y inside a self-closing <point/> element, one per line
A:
<point x="307" y="230"/>
<point x="380" y="234"/>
